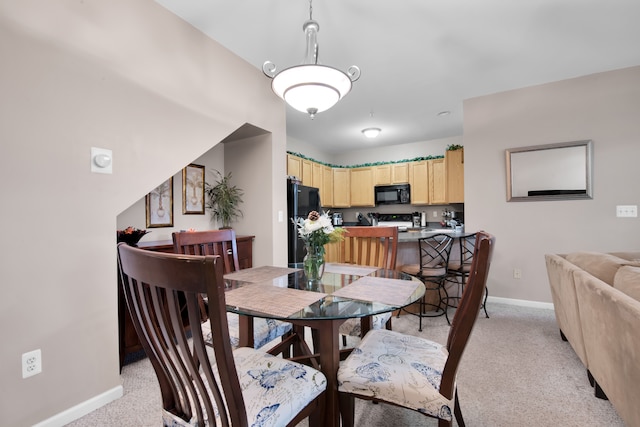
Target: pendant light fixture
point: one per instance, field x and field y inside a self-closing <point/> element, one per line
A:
<point x="310" y="87"/>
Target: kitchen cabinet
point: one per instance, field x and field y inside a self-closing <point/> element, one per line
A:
<point x="437" y="182"/>
<point x="400" y="173"/>
<point x="294" y="166"/>
<point x="455" y="175"/>
<point x="362" y="187"/>
<point x="316" y="176"/>
<point x="433" y="182"/>
<point x="307" y="172"/>
<point x="341" y="187"/>
<point x="396" y="173"/>
<point x="326" y="191"/>
<point x="419" y="181"/>
<point x="382" y="175"/>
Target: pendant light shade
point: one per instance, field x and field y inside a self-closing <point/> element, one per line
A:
<point x="311" y="88"/>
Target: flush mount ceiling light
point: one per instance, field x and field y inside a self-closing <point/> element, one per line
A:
<point x="310" y="87"/>
<point x="371" y="132"/>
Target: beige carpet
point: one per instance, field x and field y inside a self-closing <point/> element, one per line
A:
<point x="516" y="372"/>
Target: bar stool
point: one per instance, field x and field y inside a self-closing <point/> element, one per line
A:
<point x="432" y="271"/>
<point x="459" y="269"/>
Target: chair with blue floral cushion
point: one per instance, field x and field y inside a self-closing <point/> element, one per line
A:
<point x="201" y="384"/>
<point x="223" y="243"/>
<point x="414" y="372"/>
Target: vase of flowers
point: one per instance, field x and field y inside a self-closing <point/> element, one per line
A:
<point x="131" y="236"/>
<point x="316" y="231"/>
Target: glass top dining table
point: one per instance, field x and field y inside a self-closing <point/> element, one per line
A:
<point x="345" y="291"/>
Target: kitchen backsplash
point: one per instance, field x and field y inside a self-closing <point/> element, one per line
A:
<point x="350" y="214"/>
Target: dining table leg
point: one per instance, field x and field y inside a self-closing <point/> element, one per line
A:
<point x="329" y="350"/>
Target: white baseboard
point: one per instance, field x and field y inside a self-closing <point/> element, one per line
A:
<point x="82" y="409"/>
<point x="521" y="302"/>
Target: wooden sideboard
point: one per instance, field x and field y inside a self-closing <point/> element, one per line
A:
<point x="128" y="339"/>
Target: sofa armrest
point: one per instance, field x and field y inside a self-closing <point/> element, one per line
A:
<point x="610" y="322"/>
<point x="565" y="302"/>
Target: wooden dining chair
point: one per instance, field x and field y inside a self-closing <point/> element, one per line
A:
<point x="432" y="270"/>
<point x="202" y="385"/>
<point x="371" y="246"/>
<point x="223" y="243"/>
<point x="414" y="372"/>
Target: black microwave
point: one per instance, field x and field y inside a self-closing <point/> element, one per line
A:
<point x="393" y="194"/>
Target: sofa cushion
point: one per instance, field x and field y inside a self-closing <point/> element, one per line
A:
<point x="627" y="280"/>
<point x="630" y="256"/>
<point x="601" y="265"/>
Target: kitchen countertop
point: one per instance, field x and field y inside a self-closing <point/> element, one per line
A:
<point x="412" y="235"/>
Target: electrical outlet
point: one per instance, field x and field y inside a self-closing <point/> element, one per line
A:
<point x="517" y="273"/>
<point x="435" y="214"/>
<point x="31" y="363"/>
<point x="627" y="211"/>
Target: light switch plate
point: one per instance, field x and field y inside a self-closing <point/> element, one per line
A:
<point x="627" y="211"/>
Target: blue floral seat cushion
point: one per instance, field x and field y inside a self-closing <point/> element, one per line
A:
<point x="264" y="330"/>
<point x="397" y="368"/>
<point x="275" y="390"/>
<point x="352" y="328"/>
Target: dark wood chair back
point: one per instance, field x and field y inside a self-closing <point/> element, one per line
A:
<point x="467" y="311"/>
<point x="373" y="246"/>
<point x="162" y="293"/>
<point x="210" y="242"/>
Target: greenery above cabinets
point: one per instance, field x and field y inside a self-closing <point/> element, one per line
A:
<point x="415" y="159"/>
<point x="434" y="180"/>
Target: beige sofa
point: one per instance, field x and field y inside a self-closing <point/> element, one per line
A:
<point x="596" y="297"/>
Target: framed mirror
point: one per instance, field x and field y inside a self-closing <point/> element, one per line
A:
<point x="560" y="171"/>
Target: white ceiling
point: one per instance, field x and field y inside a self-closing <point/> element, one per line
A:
<point x="421" y="57"/>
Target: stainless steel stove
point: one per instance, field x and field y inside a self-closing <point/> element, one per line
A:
<point x="402" y="221"/>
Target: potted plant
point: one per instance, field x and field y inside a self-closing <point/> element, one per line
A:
<point x="223" y="199"/>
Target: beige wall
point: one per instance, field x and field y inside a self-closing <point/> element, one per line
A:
<point x="123" y="75"/>
<point x="602" y="107"/>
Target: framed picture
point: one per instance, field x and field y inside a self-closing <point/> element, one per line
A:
<point x="159" y="205"/>
<point x="193" y="190"/>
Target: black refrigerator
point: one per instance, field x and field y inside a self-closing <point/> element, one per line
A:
<point x="300" y="201"/>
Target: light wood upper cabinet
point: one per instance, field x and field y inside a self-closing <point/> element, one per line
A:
<point x="341" y="186"/>
<point x="326" y="191"/>
<point x="400" y="173"/>
<point x="455" y="175"/>
<point x="307" y="172"/>
<point x="362" y="187"/>
<point x="419" y="181"/>
<point x="382" y="175"/>
<point x="316" y="176"/>
<point x="433" y="182"/>
<point x="396" y="173"/>
<point x="294" y="166"/>
<point x="437" y="182"/>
